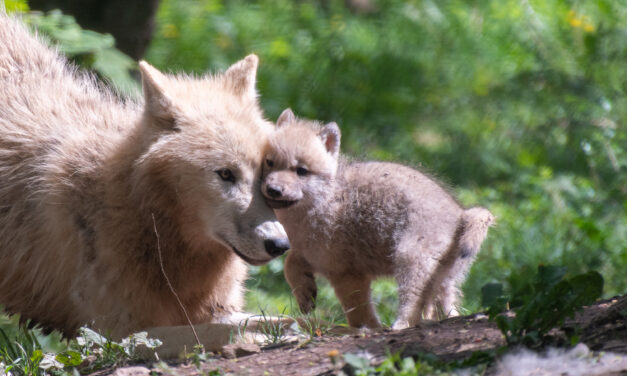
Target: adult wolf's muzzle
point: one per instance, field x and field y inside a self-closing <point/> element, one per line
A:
<point x="276" y="247"/>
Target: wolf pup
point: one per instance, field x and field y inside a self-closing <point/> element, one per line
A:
<point x="352" y="222"/>
<point x="100" y="197"/>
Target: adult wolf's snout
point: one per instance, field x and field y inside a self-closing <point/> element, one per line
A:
<point x="276" y="247"/>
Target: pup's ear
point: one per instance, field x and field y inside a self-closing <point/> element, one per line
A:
<point x="158" y="105"/>
<point x="330" y="136"/>
<point x="286" y="117"/>
<point x="241" y="77"/>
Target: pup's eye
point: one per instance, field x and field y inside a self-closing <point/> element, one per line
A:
<point x="301" y="171"/>
<point x="226" y="175"/>
<point x="269" y="162"/>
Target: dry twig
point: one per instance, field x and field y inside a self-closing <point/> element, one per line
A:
<point x="154" y="223"/>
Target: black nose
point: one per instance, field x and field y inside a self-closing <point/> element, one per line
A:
<point x="276" y="247"/>
<point x="273" y="191"/>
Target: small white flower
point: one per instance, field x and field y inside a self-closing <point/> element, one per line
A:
<point x="50" y="361"/>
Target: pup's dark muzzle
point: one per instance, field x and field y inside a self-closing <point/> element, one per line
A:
<point x="276" y="247"/>
<point x="279" y="204"/>
<point x="273" y="194"/>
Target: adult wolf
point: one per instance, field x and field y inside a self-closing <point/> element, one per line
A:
<point x="98" y="194"/>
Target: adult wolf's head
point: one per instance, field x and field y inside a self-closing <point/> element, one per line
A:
<point x="203" y="140"/>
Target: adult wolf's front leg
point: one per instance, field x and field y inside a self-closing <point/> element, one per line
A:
<point x="240" y="327"/>
<point x="177" y="340"/>
<point x="300" y="276"/>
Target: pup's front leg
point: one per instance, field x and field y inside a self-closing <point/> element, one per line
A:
<point x="300" y="276"/>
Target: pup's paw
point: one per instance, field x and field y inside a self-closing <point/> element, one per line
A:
<point x="400" y="324"/>
<point x="306" y="297"/>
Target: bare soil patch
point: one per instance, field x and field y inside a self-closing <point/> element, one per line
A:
<point x="602" y="327"/>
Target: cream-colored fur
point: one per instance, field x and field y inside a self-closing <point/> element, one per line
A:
<point x="353" y="222"/>
<point x="92" y="187"/>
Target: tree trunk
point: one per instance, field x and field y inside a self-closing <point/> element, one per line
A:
<point x="131" y="22"/>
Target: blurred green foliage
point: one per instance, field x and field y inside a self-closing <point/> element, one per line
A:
<point x="86" y="48"/>
<point x="14" y="5"/>
<point x="519" y="105"/>
<point x="544" y="303"/>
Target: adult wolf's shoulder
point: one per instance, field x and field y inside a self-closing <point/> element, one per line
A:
<point x="22" y="52"/>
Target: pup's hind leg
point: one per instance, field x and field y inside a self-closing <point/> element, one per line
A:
<point x="413" y="296"/>
<point x="354" y="294"/>
<point x="472" y="230"/>
<point x="449" y="297"/>
<point x="444" y="303"/>
<point x="417" y="268"/>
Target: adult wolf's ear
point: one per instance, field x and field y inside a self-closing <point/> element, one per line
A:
<point x="241" y="77"/>
<point x="330" y="136"/>
<point x="286" y="117"/>
<point x="158" y="105"/>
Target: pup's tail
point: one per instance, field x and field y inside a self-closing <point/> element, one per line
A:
<point x="473" y="228"/>
<point x="451" y="272"/>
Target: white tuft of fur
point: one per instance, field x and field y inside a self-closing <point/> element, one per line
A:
<point x="578" y="361"/>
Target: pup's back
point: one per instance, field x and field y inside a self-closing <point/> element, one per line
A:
<point x="391" y="201"/>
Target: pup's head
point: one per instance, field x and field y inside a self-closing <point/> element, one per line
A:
<point x="203" y="140"/>
<point x="300" y="162"/>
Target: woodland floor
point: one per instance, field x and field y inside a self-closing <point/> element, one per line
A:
<point x="603" y="328"/>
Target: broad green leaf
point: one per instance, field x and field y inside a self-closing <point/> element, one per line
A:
<point x="69" y="358"/>
<point x="490" y="292"/>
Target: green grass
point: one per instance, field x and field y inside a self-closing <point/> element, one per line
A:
<point x="29" y="352"/>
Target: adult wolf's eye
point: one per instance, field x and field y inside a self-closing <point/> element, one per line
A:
<point x="301" y="171"/>
<point x="269" y="162"/>
<point x="226" y="175"/>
